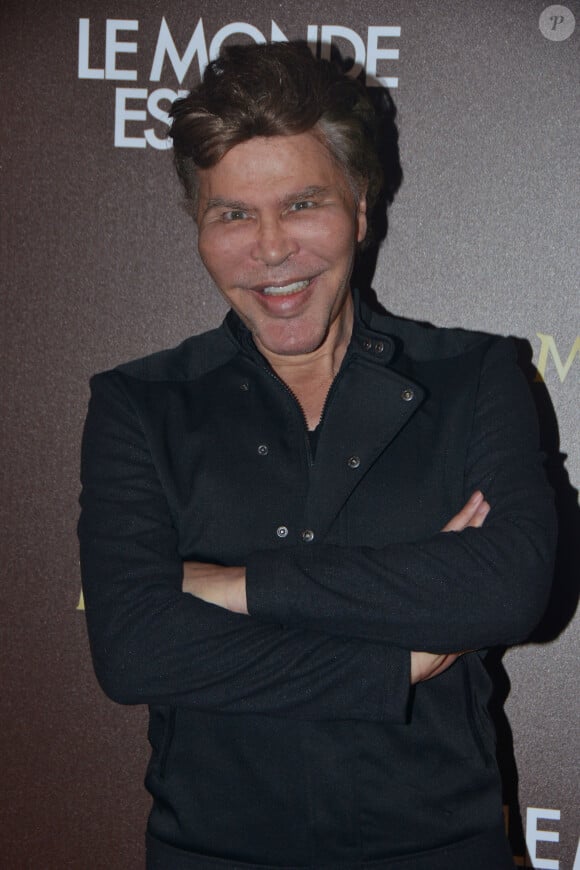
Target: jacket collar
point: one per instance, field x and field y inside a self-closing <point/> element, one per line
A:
<point x="372" y="345"/>
<point x="370" y="402"/>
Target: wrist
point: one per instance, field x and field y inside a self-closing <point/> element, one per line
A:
<point x="237" y="600"/>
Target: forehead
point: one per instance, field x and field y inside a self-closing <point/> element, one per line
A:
<point x="272" y="166"/>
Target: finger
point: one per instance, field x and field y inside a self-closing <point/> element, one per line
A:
<point x="478" y="518"/>
<point x="425" y="666"/>
<point x="462" y="519"/>
<point x="445" y="665"/>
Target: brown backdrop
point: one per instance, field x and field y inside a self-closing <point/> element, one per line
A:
<point x="98" y="266"/>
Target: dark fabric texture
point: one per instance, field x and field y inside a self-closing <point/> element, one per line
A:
<point x="488" y="851"/>
<point x="291" y="737"/>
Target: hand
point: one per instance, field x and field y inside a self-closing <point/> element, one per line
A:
<point x="424" y="665"/>
<point x="216" y="584"/>
<point x="472" y="515"/>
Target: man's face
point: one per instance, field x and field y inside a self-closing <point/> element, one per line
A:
<point x="278" y="227"/>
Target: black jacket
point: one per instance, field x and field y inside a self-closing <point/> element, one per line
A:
<point x="291" y="737"/>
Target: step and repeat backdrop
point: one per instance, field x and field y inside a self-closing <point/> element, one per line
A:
<point x="99" y="266"/>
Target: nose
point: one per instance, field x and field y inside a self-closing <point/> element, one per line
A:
<point x="272" y="244"/>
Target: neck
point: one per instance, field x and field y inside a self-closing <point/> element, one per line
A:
<point x="310" y="375"/>
<point x="321" y="363"/>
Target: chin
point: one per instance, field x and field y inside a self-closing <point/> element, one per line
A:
<point x="290" y="345"/>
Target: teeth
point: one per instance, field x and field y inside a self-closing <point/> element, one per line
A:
<point x="287" y="289"/>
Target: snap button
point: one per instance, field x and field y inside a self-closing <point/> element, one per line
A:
<point x="307" y="536"/>
<point x="407" y="395"/>
<point x="244" y="386"/>
<point x="367" y="344"/>
<point x="378" y="347"/>
<point x="263" y="449"/>
<point x="353" y="461"/>
<point x="282" y="532"/>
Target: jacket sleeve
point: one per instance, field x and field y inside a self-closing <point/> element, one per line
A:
<point x="153" y="644"/>
<point x="452" y="591"/>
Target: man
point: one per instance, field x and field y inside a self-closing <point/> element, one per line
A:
<point x="286" y="548"/>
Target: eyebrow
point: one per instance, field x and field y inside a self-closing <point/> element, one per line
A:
<point x="237" y="204"/>
<point x="220" y="202"/>
<point x="305" y="193"/>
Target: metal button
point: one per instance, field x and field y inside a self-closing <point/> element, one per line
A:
<point x="282" y="532"/>
<point x="367" y="344"/>
<point x="407" y="395"/>
<point x="244" y="386"/>
<point x="263" y="449"/>
<point x="378" y="347"/>
<point x="307" y="536"/>
<point x="353" y="461"/>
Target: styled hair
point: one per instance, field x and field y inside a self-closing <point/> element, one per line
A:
<point x="277" y="89"/>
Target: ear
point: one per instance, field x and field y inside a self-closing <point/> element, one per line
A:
<point x="361" y="217"/>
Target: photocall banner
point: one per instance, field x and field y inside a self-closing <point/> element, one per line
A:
<point x="99" y="266"/>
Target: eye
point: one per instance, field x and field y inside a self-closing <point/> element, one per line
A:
<point x="236" y="214"/>
<point x="303" y="205"/>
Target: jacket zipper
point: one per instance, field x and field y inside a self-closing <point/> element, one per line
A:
<point x="291" y="393"/>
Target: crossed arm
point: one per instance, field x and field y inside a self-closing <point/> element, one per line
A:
<point x="317" y="645"/>
<point x="226" y="587"/>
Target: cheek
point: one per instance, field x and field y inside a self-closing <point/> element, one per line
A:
<point x="219" y="254"/>
<point x="204" y="248"/>
<point x="362" y="226"/>
<point x="336" y="241"/>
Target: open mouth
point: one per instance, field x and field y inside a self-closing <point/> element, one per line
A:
<point x="287" y="289"/>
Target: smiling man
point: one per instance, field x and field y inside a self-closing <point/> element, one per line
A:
<point x="278" y="225"/>
<point x="301" y="531"/>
